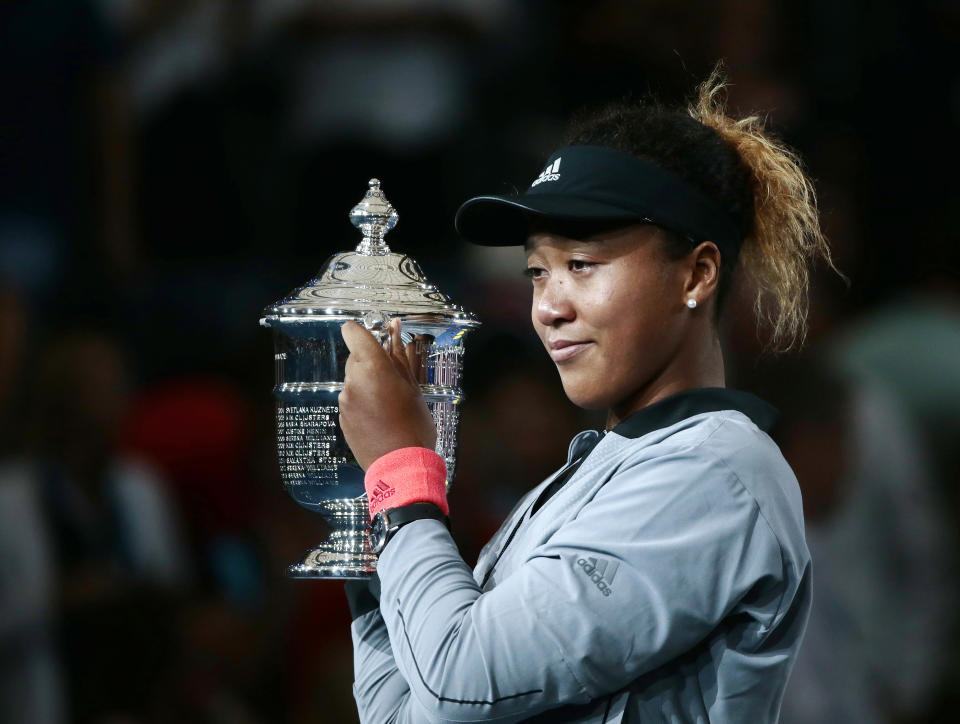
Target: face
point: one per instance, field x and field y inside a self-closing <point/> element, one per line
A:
<point x="609" y="308"/>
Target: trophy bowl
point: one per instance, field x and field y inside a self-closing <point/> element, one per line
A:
<point x="369" y="285"/>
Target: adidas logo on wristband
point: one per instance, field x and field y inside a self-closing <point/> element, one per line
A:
<point x="381" y="492"/>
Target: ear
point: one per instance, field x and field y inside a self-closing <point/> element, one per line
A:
<point x="703" y="272"/>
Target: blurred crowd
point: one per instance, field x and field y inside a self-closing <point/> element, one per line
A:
<point x="168" y="168"/>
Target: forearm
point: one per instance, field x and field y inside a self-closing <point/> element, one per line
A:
<point x="379" y="688"/>
<point x="463" y="660"/>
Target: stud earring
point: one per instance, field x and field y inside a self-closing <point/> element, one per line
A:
<point x="692" y="303"/>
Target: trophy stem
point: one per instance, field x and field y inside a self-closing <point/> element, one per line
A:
<point x="346" y="552"/>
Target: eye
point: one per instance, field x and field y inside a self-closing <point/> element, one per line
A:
<point x="579" y="265"/>
<point x="534" y="272"/>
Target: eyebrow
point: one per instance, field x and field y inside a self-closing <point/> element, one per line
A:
<point x="577" y="244"/>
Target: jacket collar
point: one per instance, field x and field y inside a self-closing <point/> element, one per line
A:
<point x="688" y="403"/>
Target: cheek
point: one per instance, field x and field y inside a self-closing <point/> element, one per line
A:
<point x="634" y="322"/>
<point x="617" y="312"/>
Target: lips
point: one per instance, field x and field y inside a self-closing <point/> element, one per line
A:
<point x="562" y="350"/>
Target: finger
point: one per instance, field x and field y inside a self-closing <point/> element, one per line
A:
<point x="402" y="355"/>
<point x="397" y="346"/>
<point x="413" y="357"/>
<point x="387" y="337"/>
<point x="396" y="341"/>
<point x="362" y="344"/>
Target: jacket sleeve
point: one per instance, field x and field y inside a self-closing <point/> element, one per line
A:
<point x="379" y="689"/>
<point x="679" y="542"/>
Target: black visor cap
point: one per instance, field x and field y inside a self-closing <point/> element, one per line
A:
<point x="507" y="221"/>
<point x="596" y="187"/>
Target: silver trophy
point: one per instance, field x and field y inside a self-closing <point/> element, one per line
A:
<point x="369" y="285"/>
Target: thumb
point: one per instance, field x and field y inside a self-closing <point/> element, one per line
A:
<point x="361" y="343"/>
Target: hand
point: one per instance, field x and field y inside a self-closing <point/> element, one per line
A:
<point x="381" y="408"/>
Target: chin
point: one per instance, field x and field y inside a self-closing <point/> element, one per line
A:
<point x="586" y="397"/>
<point x="597" y="389"/>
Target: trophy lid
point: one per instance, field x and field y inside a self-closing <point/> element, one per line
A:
<point x="371" y="279"/>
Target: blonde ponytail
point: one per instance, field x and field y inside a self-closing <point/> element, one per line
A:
<point x="786" y="237"/>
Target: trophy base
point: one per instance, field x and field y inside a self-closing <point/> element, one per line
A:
<point x="330" y="562"/>
<point x="345" y="555"/>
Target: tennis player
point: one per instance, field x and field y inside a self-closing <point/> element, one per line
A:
<point x="662" y="573"/>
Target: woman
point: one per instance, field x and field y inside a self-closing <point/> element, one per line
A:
<point x="662" y="574"/>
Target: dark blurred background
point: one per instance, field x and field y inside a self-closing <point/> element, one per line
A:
<point x="170" y="167"/>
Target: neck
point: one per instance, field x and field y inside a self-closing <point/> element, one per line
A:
<point x="696" y="365"/>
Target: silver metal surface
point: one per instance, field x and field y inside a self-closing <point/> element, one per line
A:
<point x="370" y="285"/>
<point x="374" y="216"/>
<point x="429" y="391"/>
<point x="371" y="278"/>
<point x="346" y="552"/>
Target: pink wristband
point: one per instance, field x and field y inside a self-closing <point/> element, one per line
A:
<point x="407" y="475"/>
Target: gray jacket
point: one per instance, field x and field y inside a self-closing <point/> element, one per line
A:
<point x="667" y="580"/>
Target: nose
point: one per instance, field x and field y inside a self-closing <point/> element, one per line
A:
<point x="552" y="306"/>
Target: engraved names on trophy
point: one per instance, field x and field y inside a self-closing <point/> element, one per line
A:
<point x="444" y="364"/>
<point x="306" y="443"/>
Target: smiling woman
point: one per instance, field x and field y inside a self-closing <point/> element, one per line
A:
<point x="610" y="310"/>
<point x="662" y="573"/>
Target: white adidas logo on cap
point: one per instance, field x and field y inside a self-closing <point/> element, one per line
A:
<point x="550" y="173"/>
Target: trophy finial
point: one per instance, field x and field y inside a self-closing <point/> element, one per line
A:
<point x="374" y="216"/>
